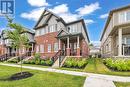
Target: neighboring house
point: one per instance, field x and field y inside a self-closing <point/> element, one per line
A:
<point x="53" y="34"/>
<point x="115" y="40"/>
<point x="95" y="51"/>
<point x="5" y="43"/>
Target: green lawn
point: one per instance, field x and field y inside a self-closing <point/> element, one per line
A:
<point x="95" y="65"/>
<point x="122" y="84"/>
<point x="39" y="79"/>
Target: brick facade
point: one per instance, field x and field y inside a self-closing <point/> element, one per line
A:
<point x="45" y="40"/>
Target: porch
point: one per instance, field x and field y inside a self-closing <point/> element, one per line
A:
<point x="70" y="45"/>
<point x="120" y="41"/>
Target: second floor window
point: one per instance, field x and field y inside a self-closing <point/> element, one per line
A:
<point x="73" y="28"/>
<point x="128" y="16"/>
<point x="52" y="28"/>
<point x="124" y="17"/>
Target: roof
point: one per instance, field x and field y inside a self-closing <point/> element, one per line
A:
<point x="110" y="16"/>
<point x="29" y="30"/>
<point x="51" y="13"/>
<point x="60" y="19"/>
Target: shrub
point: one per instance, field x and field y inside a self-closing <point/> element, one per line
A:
<point x="46" y="62"/>
<point x="49" y="62"/>
<point x="75" y="63"/>
<point x="118" y="64"/>
<point x="29" y="62"/>
<point x="43" y="62"/>
<point x="82" y="63"/>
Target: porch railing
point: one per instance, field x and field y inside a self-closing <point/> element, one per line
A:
<point x="5" y="57"/>
<point x="56" y="56"/>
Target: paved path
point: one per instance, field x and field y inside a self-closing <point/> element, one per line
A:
<point x="92" y="80"/>
<point x="95" y="82"/>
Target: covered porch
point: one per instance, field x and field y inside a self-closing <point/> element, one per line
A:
<point x="70" y="45"/>
<point x="121" y="42"/>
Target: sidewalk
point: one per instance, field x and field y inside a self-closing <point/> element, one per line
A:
<point x="92" y="80"/>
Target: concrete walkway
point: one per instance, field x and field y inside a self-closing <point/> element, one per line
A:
<point x="92" y="80"/>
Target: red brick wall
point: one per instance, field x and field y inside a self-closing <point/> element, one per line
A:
<point x="50" y="38"/>
<point x="2" y="48"/>
<point x="46" y="39"/>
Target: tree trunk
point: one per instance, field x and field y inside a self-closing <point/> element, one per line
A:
<point x="20" y="52"/>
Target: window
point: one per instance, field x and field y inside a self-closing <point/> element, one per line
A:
<point x="73" y="28"/>
<point x="49" y="47"/>
<point x="55" y="47"/>
<point x="42" y="31"/>
<point x="37" y="48"/>
<point x="38" y="32"/>
<point x="128" y="16"/>
<point x="41" y="48"/>
<point x="122" y="17"/>
<point x="128" y="40"/>
<point x="52" y="28"/>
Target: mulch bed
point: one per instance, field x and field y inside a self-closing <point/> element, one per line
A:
<point x="18" y="76"/>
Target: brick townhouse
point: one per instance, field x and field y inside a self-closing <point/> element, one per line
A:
<point x="5" y="43"/>
<point x="53" y="34"/>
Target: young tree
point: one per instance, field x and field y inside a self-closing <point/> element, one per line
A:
<point x="17" y="36"/>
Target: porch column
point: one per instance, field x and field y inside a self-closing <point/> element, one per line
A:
<point x="120" y="42"/>
<point x="8" y="50"/>
<point x="68" y="48"/>
<point x="32" y="52"/>
<point x="59" y="44"/>
<point x="78" y="48"/>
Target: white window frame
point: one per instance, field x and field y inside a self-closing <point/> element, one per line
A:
<point x="56" y="47"/>
<point x="37" y="49"/>
<point x="41" y="48"/>
<point x="49" y="48"/>
<point x="125" y="17"/>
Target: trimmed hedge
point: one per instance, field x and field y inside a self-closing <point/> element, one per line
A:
<point x="41" y="62"/>
<point x="118" y="64"/>
<point x="75" y="63"/>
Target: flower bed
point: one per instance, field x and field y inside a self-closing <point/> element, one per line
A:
<point x="75" y="63"/>
<point x="118" y="64"/>
<point x="39" y="61"/>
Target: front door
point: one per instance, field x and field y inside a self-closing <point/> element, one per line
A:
<point x="73" y="47"/>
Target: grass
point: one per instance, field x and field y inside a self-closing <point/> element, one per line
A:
<point x="39" y="79"/>
<point x="122" y="84"/>
<point x="95" y="65"/>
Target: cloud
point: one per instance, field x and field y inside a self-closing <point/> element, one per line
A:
<point x="60" y="9"/>
<point x="63" y="11"/>
<point x="103" y="16"/>
<point x="89" y="21"/>
<point x="38" y="3"/>
<point x="33" y="15"/>
<point x="88" y="9"/>
<point x="96" y="43"/>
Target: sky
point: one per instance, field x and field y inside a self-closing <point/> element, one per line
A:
<point x="94" y="13"/>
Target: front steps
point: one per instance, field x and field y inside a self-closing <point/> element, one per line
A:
<point x="59" y="62"/>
